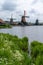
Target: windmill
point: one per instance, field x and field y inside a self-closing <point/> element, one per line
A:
<point x="11" y="19"/>
<point x="23" y="19"/>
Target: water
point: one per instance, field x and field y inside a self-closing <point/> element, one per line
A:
<point x="32" y="32"/>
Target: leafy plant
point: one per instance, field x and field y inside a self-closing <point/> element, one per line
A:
<point x="13" y="50"/>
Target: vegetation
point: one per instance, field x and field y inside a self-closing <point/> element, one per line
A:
<point x="37" y="53"/>
<point x="13" y="51"/>
<point x="5" y="26"/>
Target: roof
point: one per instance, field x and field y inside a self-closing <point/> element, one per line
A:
<point x="1" y="21"/>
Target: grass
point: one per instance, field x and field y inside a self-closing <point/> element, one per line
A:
<point x="5" y="26"/>
<point x="13" y="51"/>
<point x="37" y="52"/>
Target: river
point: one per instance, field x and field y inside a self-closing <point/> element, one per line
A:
<point x="32" y="32"/>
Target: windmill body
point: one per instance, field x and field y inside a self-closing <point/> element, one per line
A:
<point x="11" y="19"/>
<point x="23" y="19"/>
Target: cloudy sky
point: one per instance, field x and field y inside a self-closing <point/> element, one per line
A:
<point x="33" y="8"/>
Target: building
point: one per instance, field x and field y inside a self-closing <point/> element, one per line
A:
<point x="23" y="19"/>
<point x="11" y="20"/>
<point x="1" y="22"/>
<point x="37" y="22"/>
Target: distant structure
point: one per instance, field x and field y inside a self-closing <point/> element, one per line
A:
<point x="13" y="22"/>
<point x="11" y="19"/>
<point x="1" y="22"/>
<point x="23" y="19"/>
<point x="37" y="22"/>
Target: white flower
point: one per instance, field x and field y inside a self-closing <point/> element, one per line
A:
<point x="18" y="55"/>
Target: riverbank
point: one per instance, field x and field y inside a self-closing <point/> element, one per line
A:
<point x="5" y="26"/>
<point x="10" y="26"/>
<point x="14" y="51"/>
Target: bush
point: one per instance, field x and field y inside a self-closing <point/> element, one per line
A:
<point x="23" y="44"/>
<point x="12" y="50"/>
<point x="36" y="51"/>
<point x="39" y="60"/>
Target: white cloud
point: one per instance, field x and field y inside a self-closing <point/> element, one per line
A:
<point x="32" y="7"/>
<point x="38" y="7"/>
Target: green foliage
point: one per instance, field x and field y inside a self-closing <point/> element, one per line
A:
<point x="37" y="52"/>
<point x="5" y="26"/>
<point x="23" y="44"/>
<point x="39" y="60"/>
<point x="12" y="50"/>
<point x="35" y="43"/>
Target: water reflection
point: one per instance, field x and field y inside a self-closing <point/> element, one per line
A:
<point x="32" y="32"/>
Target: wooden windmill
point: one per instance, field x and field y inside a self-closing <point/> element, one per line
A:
<point x="23" y="19"/>
<point x="11" y="19"/>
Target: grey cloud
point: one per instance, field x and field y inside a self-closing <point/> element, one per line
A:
<point x="32" y="11"/>
<point x="9" y="5"/>
<point x="41" y="1"/>
<point x="34" y="2"/>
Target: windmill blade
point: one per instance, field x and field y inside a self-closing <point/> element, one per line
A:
<point x="27" y="16"/>
<point x="8" y="18"/>
<point x="20" y="15"/>
<point x="14" y="18"/>
<point x="23" y="15"/>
